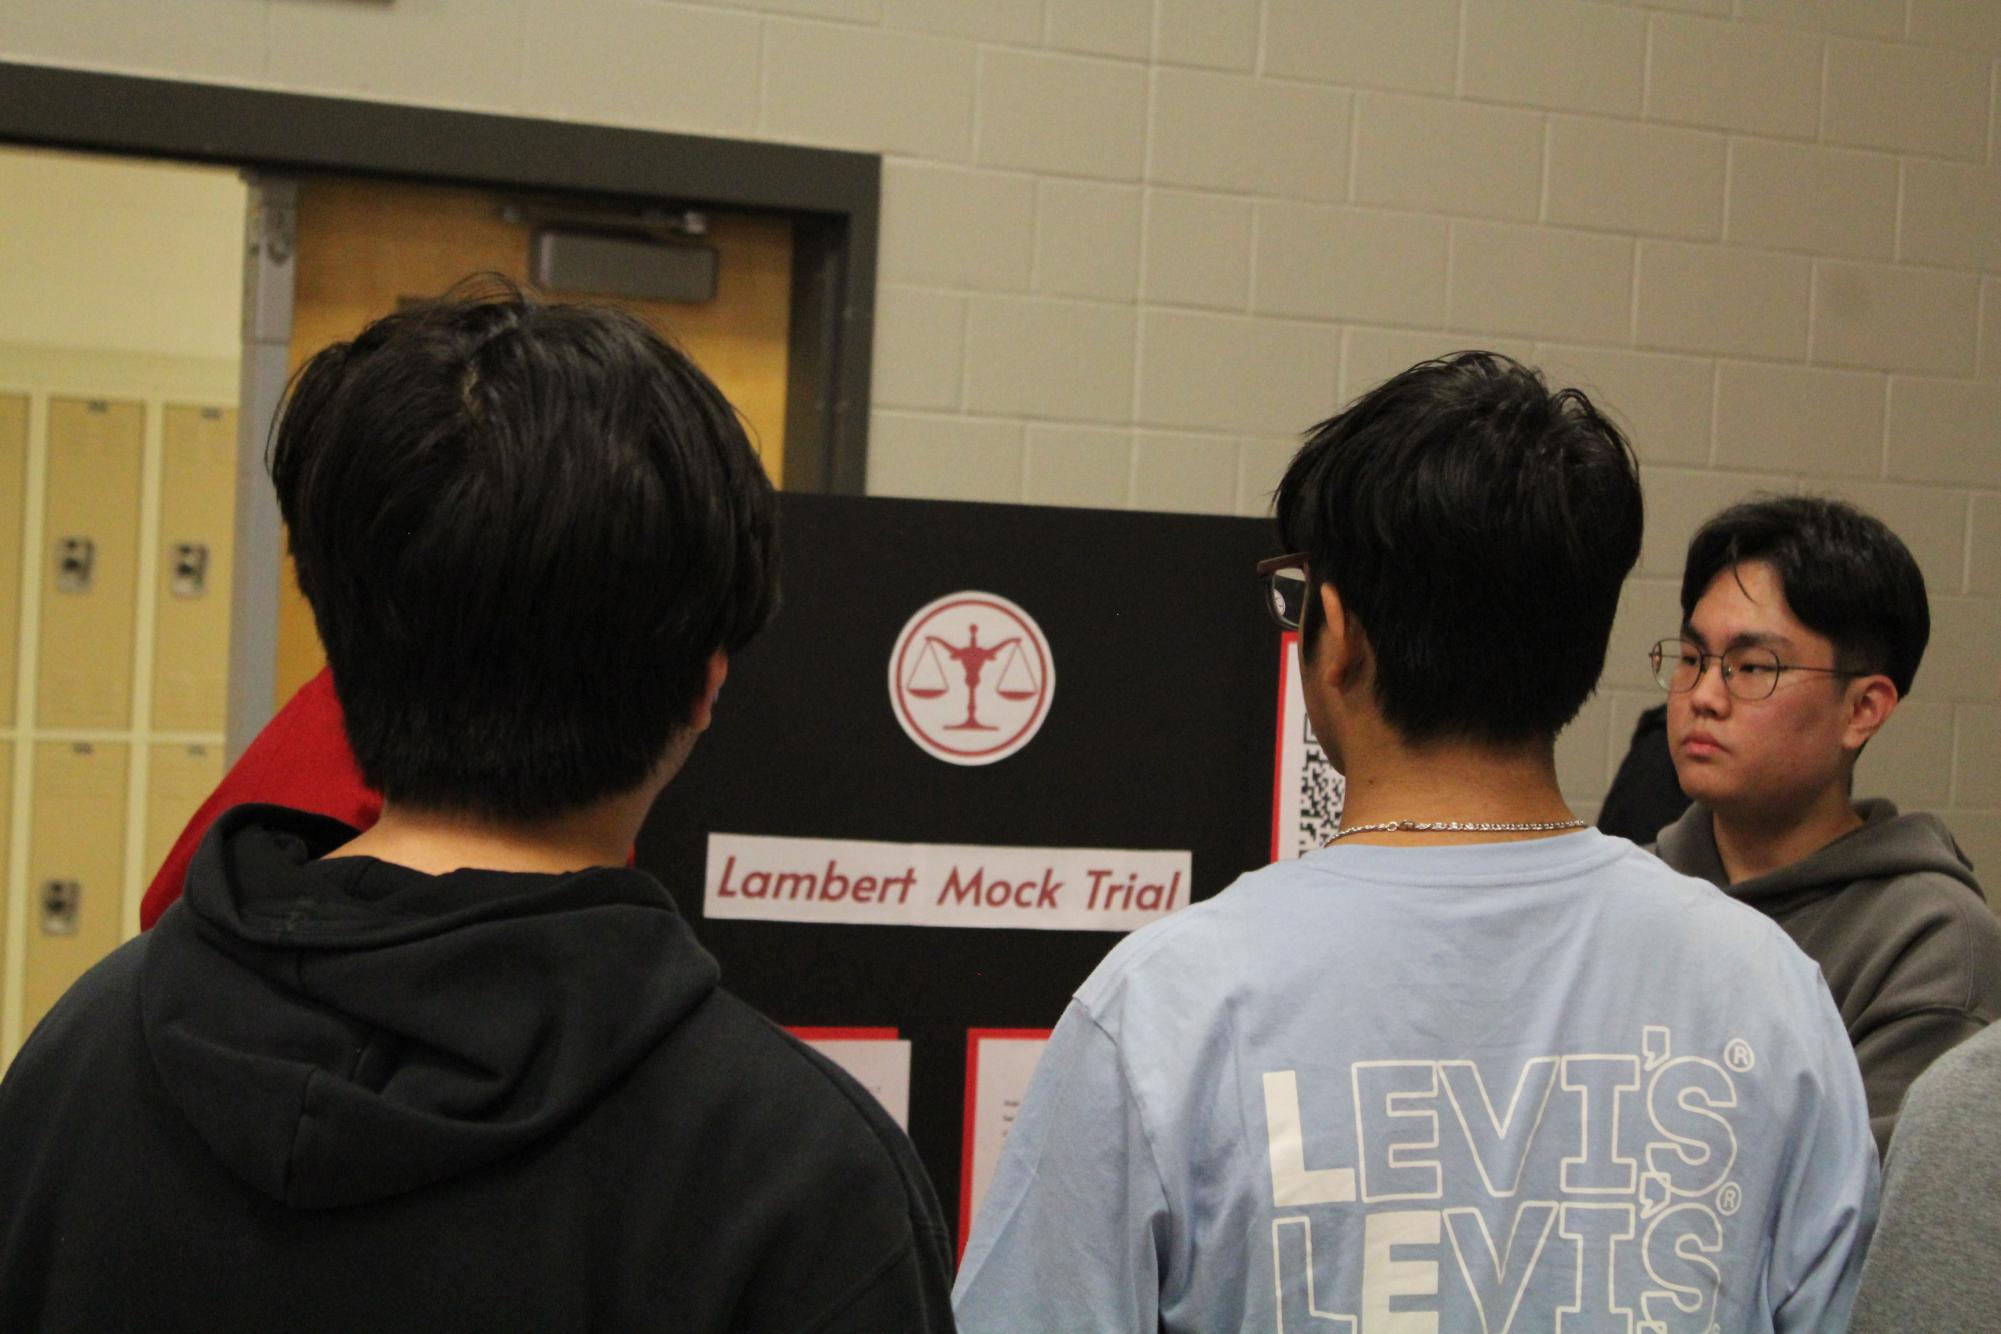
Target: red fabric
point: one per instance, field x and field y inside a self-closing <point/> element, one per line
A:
<point x="301" y="759"/>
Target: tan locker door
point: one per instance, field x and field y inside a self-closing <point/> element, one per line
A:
<point x="76" y="850"/>
<point x="90" y="562"/>
<point x="13" y="505"/>
<point x="191" y="634"/>
<point x="366" y="246"/>
<point x="178" y="780"/>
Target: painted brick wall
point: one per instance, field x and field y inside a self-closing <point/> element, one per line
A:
<point x="1130" y="247"/>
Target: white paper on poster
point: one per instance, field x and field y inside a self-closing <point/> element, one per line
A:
<point x="880" y="1065"/>
<point x="998" y="1071"/>
<point x="1307" y="791"/>
<point x="856" y="882"/>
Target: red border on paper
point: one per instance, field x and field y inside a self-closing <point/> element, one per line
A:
<point x="1288" y="644"/>
<point x="811" y="1034"/>
<point x="974" y="1037"/>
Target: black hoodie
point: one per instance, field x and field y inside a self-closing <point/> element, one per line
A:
<point x="1893" y="916"/>
<point x="345" y="1095"/>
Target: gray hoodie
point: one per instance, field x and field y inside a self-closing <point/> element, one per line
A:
<point x="1935" y="1263"/>
<point x="1893" y="916"/>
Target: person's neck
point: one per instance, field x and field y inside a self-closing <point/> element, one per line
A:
<point x="1457" y="781"/>
<point x="1752" y="843"/>
<point x="438" y="842"/>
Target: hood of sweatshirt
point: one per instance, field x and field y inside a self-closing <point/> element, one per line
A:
<point x="347" y="1030"/>
<point x="1886" y="845"/>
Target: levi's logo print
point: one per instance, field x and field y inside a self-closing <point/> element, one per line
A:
<point x="1585" y="1192"/>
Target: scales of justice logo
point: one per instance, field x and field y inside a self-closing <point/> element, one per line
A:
<point x="971" y="677"/>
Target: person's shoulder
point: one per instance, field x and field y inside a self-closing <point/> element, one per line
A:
<point x="1906" y="856"/>
<point x="1955" y="1094"/>
<point x="823" y="1188"/>
<point x="1926" y="895"/>
<point x="1671" y="907"/>
<point x="1170" y="946"/>
<point x="1934" y="928"/>
<point x="759" y="1050"/>
<point x="1974" y="1066"/>
<point x="100" y="1007"/>
<point x="1651" y="877"/>
<point x="844" y="1139"/>
<point x="1928" y="903"/>
<point x="108" y="984"/>
<point x="782" y="1081"/>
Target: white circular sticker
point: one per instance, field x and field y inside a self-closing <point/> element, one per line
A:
<point x="971" y="678"/>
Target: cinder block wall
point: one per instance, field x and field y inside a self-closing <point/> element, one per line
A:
<point x="1130" y="247"/>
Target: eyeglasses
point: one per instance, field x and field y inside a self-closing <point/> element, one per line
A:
<point x="1749" y="673"/>
<point x="1284" y="580"/>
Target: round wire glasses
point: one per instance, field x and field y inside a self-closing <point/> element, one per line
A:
<point x="1749" y="671"/>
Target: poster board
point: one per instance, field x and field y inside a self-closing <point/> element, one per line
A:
<point x="1153" y="752"/>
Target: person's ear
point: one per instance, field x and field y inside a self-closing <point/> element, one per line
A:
<point x="1871" y="700"/>
<point x="703" y="709"/>
<point x="1345" y="657"/>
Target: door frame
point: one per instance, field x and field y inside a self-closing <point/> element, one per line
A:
<point x="833" y="197"/>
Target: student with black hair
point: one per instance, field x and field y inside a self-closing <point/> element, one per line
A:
<point x="465" y="1070"/>
<point x="1803" y="623"/>
<point x="1472" y="1065"/>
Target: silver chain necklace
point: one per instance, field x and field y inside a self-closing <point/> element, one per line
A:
<point x="1456" y="827"/>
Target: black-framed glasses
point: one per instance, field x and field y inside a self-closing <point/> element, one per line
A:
<point x="1749" y="672"/>
<point x="1284" y="580"/>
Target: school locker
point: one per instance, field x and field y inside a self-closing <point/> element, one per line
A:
<point x="178" y="779"/>
<point x="90" y="559"/>
<point x="76" y="866"/>
<point x="13" y="504"/>
<point x="191" y="612"/>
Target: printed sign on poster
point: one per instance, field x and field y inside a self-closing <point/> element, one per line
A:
<point x="862" y="882"/>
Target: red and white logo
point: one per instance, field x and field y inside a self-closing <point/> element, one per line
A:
<point x="971" y="678"/>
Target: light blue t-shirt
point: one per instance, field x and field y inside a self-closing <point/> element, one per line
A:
<point x="1542" y="1085"/>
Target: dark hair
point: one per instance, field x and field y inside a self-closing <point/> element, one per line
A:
<point x="1477" y="527"/>
<point x="1844" y="573"/>
<point x="524" y="528"/>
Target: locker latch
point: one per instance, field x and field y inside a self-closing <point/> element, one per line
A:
<point x="190" y="569"/>
<point x="61" y="900"/>
<point x="76" y="560"/>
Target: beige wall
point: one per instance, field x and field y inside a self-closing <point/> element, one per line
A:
<point x="118" y="255"/>
<point x="1131" y="246"/>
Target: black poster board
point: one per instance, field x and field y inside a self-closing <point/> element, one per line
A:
<point x="1160" y="734"/>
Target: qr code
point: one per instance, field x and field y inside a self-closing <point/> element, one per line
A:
<point x="1322" y="793"/>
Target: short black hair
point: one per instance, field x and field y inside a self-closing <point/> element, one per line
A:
<point x="1844" y="573"/>
<point x="1478" y="527"/>
<point x="524" y="528"/>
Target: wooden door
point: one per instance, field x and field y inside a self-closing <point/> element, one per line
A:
<point x="366" y="246"/>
